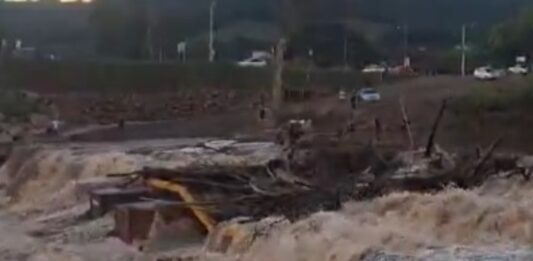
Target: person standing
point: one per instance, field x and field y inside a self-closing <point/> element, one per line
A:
<point x="353" y="102"/>
<point x="378" y="129"/>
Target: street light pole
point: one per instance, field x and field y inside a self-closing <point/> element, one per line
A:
<point x="310" y="52"/>
<point x="212" y="10"/>
<point x="405" y="40"/>
<point x="463" y="50"/>
<point x="405" y="31"/>
<point x="345" y="51"/>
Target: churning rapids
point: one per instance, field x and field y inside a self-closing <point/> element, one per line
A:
<point x="41" y="183"/>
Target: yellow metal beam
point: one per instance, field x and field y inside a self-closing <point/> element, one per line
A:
<point x="187" y="197"/>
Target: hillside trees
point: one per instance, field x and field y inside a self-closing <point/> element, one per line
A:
<point x="514" y="37"/>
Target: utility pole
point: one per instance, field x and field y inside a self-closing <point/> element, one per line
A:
<point x="277" y="83"/>
<point x="311" y="53"/>
<point x="151" y="23"/>
<point x="463" y="50"/>
<point x="405" y="40"/>
<point x="150" y="42"/>
<point x="212" y="10"/>
<point x="345" y="53"/>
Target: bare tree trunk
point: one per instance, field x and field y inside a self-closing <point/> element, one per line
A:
<point x="277" y="83"/>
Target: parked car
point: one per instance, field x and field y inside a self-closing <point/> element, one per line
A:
<point x="253" y="62"/>
<point x="518" y="69"/>
<point x="487" y="73"/>
<point x="368" y="95"/>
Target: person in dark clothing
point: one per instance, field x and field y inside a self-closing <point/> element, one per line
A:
<point x="16" y="138"/>
<point x="377" y="124"/>
<point x="353" y="102"/>
<point x="121" y="124"/>
<point x="262" y="113"/>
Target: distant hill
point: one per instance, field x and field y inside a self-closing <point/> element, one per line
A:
<point x="438" y="14"/>
<point x="431" y="22"/>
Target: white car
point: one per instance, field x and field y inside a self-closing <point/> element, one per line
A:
<point x="373" y="68"/>
<point x="253" y="62"/>
<point x="368" y="95"/>
<point x="487" y="73"/>
<point x="518" y="69"/>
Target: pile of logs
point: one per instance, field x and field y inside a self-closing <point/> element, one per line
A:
<point x="320" y="180"/>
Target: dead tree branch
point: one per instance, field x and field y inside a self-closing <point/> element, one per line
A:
<point x="481" y="162"/>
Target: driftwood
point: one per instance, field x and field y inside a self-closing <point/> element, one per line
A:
<point x="465" y="175"/>
<point x="319" y="180"/>
<point x="432" y="135"/>
<point x="407" y="124"/>
<point x="483" y="160"/>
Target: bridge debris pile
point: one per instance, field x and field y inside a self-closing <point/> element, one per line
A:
<point x="309" y="177"/>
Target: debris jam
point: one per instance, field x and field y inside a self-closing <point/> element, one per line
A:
<point x="308" y="197"/>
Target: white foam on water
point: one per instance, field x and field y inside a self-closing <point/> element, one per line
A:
<point x="499" y="215"/>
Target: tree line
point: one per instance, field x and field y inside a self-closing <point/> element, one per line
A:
<point x="355" y="32"/>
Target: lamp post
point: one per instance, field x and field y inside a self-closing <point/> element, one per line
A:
<point x="463" y="50"/>
<point x="464" y="47"/>
<point x="212" y="10"/>
<point x="405" y="31"/>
